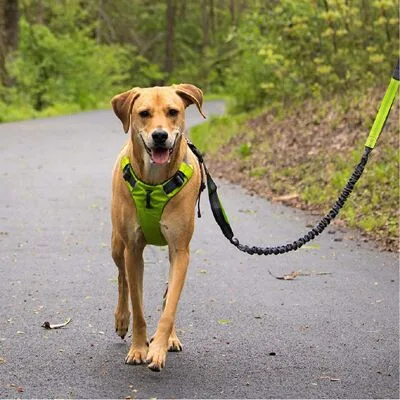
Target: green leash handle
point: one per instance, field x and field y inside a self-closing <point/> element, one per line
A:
<point x="384" y="109"/>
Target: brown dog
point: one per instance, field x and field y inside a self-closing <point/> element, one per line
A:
<point x="156" y="149"/>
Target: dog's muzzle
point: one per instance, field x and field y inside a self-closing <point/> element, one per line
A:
<point x="160" y="150"/>
<point x="159" y="137"/>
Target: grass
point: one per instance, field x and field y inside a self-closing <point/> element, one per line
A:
<point x="211" y="135"/>
<point x="25" y="112"/>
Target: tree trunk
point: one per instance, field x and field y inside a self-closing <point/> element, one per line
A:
<point x="9" y="33"/>
<point x="40" y="12"/>
<point x="3" y="73"/>
<point x="98" y="26"/>
<point x="11" y="14"/>
<point x="205" y="24"/>
<point x="169" y="39"/>
<point x="212" y="21"/>
<point x="233" y="11"/>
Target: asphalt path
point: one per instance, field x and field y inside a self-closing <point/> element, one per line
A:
<point x="332" y="332"/>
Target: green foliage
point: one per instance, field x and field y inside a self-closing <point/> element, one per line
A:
<point x="292" y="50"/>
<point x="258" y="172"/>
<point x="60" y="67"/>
<point x="244" y="149"/>
<point x="65" y="69"/>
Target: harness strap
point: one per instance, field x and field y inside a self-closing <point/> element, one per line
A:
<point x="176" y="181"/>
<point x="217" y="208"/>
<point x="172" y="184"/>
<point x="215" y="203"/>
<point x="128" y="176"/>
<point x="199" y="157"/>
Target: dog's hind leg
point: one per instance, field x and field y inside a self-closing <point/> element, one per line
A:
<point x="122" y="312"/>
<point x="134" y="267"/>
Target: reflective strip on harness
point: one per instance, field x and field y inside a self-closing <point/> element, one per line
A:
<point x="150" y="200"/>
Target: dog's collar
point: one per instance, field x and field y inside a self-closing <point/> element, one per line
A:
<point x="150" y="200"/>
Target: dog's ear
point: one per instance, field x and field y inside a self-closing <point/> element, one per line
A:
<point x="122" y="105"/>
<point x="190" y="94"/>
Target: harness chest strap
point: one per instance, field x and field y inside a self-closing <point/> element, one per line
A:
<point x="150" y="200"/>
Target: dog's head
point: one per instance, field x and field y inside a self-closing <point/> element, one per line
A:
<point x="156" y="116"/>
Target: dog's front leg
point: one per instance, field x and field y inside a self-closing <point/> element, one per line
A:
<point x="122" y="313"/>
<point x="159" y="345"/>
<point x="134" y="268"/>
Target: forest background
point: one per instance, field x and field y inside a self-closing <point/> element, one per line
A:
<point x="298" y="66"/>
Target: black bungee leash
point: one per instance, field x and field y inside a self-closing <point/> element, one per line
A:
<point x="223" y="222"/>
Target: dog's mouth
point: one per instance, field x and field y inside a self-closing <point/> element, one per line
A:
<point x="159" y="155"/>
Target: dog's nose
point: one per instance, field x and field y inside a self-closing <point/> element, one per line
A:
<point x="159" y="136"/>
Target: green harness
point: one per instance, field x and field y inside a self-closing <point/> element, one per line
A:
<point x="150" y="200"/>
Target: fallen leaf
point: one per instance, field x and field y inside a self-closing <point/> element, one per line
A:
<point x="247" y="211"/>
<point x="330" y="378"/>
<point x="203" y="271"/>
<point x="310" y="246"/>
<point x="289" y="277"/>
<point x="20" y="333"/>
<point x="286" y="197"/>
<point x="2" y="360"/>
<point x="224" y="321"/>
<point x="47" y="325"/>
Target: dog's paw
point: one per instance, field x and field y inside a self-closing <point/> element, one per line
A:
<point x="174" y="344"/>
<point x="156" y="357"/>
<point x="122" y="323"/>
<point x="136" y="355"/>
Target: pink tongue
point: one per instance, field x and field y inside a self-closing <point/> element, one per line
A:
<point x="160" y="156"/>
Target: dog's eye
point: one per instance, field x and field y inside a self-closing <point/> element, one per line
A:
<point x="172" y="112"/>
<point x="144" y="113"/>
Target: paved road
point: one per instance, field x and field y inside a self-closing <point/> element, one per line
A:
<point x="332" y="333"/>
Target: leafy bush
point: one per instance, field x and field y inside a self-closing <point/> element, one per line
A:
<point x="296" y="49"/>
<point x="68" y="72"/>
<point x="69" y="68"/>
